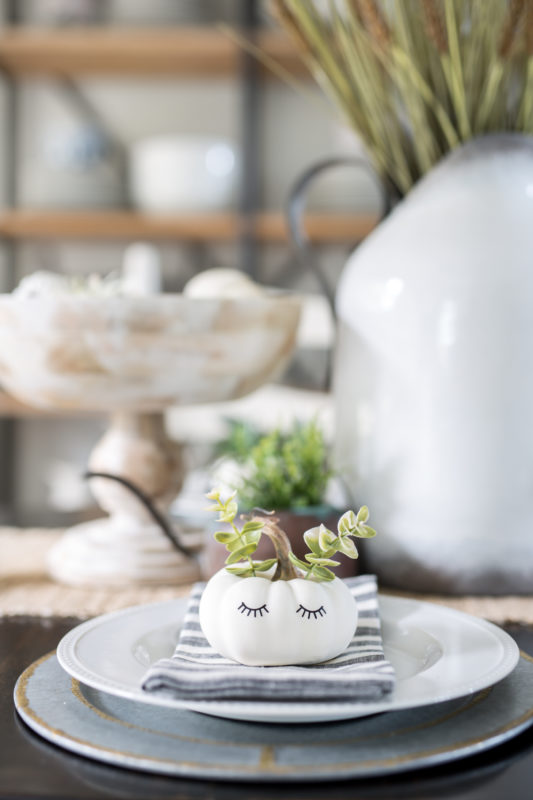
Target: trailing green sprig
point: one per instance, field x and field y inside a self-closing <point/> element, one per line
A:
<point x="241" y="543"/>
<point x="323" y="544"/>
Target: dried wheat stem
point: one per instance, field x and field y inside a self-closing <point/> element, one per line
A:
<point x="453" y="71"/>
<point x="496" y="71"/>
<point x="434" y="25"/>
<point x="384" y="142"/>
<point x="514" y="16"/>
<point x="415" y="80"/>
<point x="301" y="86"/>
<point x="373" y="21"/>
<point x="398" y="66"/>
<point x="328" y="69"/>
<point x="524" y="114"/>
<point x="529" y="27"/>
<point x="286" y="20"/>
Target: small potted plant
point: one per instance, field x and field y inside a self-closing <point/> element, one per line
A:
<point x="286" y="470"/>
<point x="280" y="610"/>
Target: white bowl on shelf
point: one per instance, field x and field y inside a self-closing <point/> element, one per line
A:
<point x="183" y="173"/>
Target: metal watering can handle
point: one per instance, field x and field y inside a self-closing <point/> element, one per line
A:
<point x="296" y="209"/>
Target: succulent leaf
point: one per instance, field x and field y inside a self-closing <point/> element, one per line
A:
<point x="325" y="537"/>
<point x="235" y="544"/>
<point x="363" y="514"/>
<point x="241" y="553"/>
<point x="323" y="573"/>
<point x="252" y="537"/>
<point x="347" y="547"/>
<point x="226" y="537"/>
<point x="242" y="572"/>
<point x="365" y="532"/>
<point x="228" y="512"/>
<point x="265" y="565"/>
<point x="298" y="563"/>
<point x="347" y="523"/>
<point x="311" y="540"/>
<point x="322" y="562"/>
<point x="252" y="525"/>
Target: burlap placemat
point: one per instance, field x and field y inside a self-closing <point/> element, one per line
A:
<point x="25" y="588"/>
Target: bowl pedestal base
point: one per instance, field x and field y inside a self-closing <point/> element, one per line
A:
<point x="127" y="547"/>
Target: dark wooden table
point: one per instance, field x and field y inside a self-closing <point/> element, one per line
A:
<point x="30" y="767"/>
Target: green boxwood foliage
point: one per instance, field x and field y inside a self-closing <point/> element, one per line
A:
<point x="286" y="469"/>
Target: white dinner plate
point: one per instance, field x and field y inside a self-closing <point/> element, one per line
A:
<point x="438" y="654"/>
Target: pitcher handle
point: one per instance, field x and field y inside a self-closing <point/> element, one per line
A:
<point x="296" y="209"/>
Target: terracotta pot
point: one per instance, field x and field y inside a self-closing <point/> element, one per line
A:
<point x="294" y="522"/>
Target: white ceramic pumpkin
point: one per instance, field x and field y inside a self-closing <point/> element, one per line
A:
<point x="262" y="622"/>
<point x="282" y="610"/>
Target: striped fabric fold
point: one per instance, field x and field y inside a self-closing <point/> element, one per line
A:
<point x="197" y="672"/>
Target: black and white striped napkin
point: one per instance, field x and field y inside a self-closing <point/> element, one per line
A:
<point x="197" y="672"/>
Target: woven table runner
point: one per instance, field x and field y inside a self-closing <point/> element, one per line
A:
<point x="26" y="589"/>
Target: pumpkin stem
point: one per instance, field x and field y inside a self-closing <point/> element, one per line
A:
<point x="285" y="570"/>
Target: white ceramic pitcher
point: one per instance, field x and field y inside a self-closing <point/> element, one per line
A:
<point x="434" y="376"/>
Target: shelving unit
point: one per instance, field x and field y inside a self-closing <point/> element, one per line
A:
<point x="154" y="53"/>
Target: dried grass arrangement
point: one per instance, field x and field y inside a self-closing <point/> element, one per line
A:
<point x="416" y="78"/>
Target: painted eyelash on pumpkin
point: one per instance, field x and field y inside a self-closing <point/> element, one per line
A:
<point x="243" y="608"/>
<point x="306" y="612"/>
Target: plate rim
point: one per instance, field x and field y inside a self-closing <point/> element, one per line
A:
<point x="270" y="711"/>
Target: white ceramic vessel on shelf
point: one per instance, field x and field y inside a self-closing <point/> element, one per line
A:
<point x="72" y="166"/>
<point x="183" y="173"/>
<point x="434" y="375"/>
<point x="134" y="357"/>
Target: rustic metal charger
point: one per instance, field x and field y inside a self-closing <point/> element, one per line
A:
<point x="184" y="743"/>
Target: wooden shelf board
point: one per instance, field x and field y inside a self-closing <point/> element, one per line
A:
<point x="22" y="224"/>
<point x="320" y="227"/>
<point x="193" y="52"/>
<point x="268" y="226"/>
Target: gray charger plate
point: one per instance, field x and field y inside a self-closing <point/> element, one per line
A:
<point x="180" y="742"/>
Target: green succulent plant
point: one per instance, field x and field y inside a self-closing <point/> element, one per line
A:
<point x="323" y="543"/>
